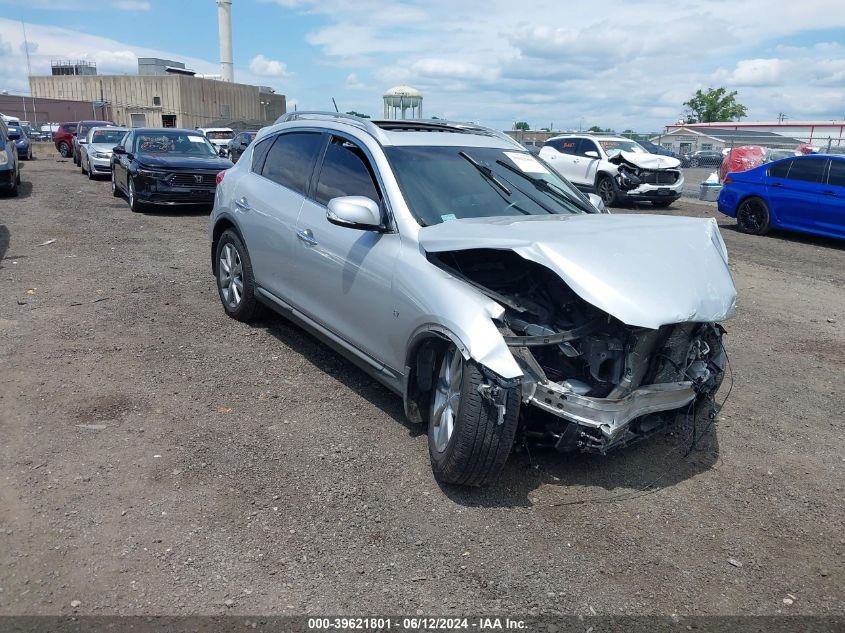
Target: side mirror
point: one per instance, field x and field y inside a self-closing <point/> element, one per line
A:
<point x="118" y="149"/>
<point x="222" y="152"/>
<point x="356" y="212"/>
<point x="592" y="154"/>
<point x="597" y="202"/>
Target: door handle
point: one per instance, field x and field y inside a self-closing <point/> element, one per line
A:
<point x="242" y="204"/>
<point x="307" y="236"/>
<point x="776" y="184"/>
<point x="828" y="193"/>
<point x="576" y="160"/>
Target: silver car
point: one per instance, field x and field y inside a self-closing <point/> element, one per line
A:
<point x="95" y="153"/>
<point x="466" y="276"/>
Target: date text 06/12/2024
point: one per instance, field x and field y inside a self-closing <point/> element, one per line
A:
<point x="418" y="623"/>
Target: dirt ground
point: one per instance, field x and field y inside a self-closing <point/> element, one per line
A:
<point x="159" y="457"/>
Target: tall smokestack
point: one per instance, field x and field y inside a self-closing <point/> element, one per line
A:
<point x="224" y="23"/>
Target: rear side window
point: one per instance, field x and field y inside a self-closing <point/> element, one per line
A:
<point x="291" y="159"/>
<point x="836" y="177"/>
<point x="259" y="153"/>
<point x="780" y="170"/>
<point x="345" y="172"/>
<point x="568" y="145"/>
<point x="807" y="169"/>
<point x="70" y="127"/>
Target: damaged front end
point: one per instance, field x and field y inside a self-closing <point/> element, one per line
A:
<point x="643" y="172"/>
<point x="594" y="382"/>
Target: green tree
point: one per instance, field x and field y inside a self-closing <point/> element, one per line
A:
<point x="363" y="116"/>
<point x="521" y="125"/>
<point x="716" y="104"/>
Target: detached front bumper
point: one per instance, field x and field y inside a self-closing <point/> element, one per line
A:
<point x="611" y="417"/>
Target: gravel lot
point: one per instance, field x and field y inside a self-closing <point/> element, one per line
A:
<point x="158" y="457"/>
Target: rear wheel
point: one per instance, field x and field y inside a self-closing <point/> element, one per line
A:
<point x="466" y="443"/>
<point x="694" y="162"/>
<point x="607" y="190"/>
<point x="753" y="216"/>
<point x="235" y="281"/>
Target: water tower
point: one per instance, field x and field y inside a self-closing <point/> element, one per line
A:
<point x="398" y="100"/>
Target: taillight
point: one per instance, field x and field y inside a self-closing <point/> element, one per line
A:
<point x="725" y="181"/>
<point x="220" y="176"/>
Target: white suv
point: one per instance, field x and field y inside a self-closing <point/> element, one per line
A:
<point x="616" y="168"/>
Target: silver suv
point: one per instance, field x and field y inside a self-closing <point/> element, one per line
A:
<point x="465" y="275"/>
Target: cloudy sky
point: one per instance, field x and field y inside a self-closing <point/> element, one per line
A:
<point x="621" y="64"/>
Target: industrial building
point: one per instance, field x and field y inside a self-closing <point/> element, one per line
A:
<point x="690" y="138"/>
<point x="158" y="96"/>
<point x="815" y="133"/>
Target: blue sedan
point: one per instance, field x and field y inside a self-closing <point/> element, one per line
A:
<point x="804" y="193"/>
<point x="21" y="141"/>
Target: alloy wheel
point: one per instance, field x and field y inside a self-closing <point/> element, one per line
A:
<point x="606" y="191"/>
<point x="751" y="216"/>
<point x="230" y="276"/>
<point x="447" y="398"/>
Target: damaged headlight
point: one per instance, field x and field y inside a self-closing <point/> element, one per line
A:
<point x="628" y="178"/>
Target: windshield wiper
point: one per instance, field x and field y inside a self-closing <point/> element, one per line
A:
<point x="485" y="171"/>
<point x="547" y="187"/>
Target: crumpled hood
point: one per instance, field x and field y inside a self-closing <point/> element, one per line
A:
<point x="645" y="270"/>
<point x="645" y="161"/>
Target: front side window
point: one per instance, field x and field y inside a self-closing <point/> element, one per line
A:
<point x="345" y="172"/>
<point x="588" y="146"/>
<point x="174" y="143"/>
<point x="452" y="183"/>
<point x="807" y="169"/>
<point x="291" y="159"/>
<point x="836" y="177"/>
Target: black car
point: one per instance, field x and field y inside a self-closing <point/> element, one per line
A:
<point x="166" y="166"/>
<point x="238" y="145"/>
<point x="10" y="174"/>
<point x="703" y="158"/>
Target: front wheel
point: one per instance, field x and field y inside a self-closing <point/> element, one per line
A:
<point x="753" y="216"/>
<point x="466" y="442"/>
<point x="114" y="189"/>
<point x="235" y="281"/>
<point x="134" y="204"/>
<point x="64" y="150"/>
<point x="607" y="190"/>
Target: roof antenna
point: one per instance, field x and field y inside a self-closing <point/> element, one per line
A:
<point x="335" y="105"/>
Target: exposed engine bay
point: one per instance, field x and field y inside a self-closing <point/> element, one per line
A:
<point x="633" y="173"/>
<point x="595" y="382"/>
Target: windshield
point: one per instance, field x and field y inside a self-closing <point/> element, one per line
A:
<point x="611" y="148"/>
<point x="108" y="137"/>
<point x="174" y="143"/>
<point x="451" y="183"/>
<point x="217" y="136"/>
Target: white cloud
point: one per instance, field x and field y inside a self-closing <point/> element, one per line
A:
<point x="131" y="5"/>
<point x="264" y="67"/>
<point x="755" y="72"/>
<point x="354" y="83"/>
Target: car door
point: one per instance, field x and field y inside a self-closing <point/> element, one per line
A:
<point x="267" y="201"/>
<point x="586" y="166"/>
<point x="121" y="161"/>
<point x="345" y="274"/>
<point x="794" y="198"/>
<point x="831" y="212"/>
<point x="563" y="159"/>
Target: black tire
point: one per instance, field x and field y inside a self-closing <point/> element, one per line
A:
<point x="64" y="150"/>
<point x="753" y="217"/>
<point x="247" y="308"/>
<point x="115" y="190"/>
<point x="134" y="204"/>
<point x="90" y="172"/>
<point x="13" y="190"/>
<point x="81" y="166"/>
<point x="606" y="188"/>
<point x="479" y="446"/>
<point x="662" y="204"/>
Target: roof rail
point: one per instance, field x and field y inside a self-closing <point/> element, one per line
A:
<point x="356" y="121"/>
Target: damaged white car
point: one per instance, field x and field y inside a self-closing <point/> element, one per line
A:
<point x="616" y="168"/>
<point x="467" y="277"/>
